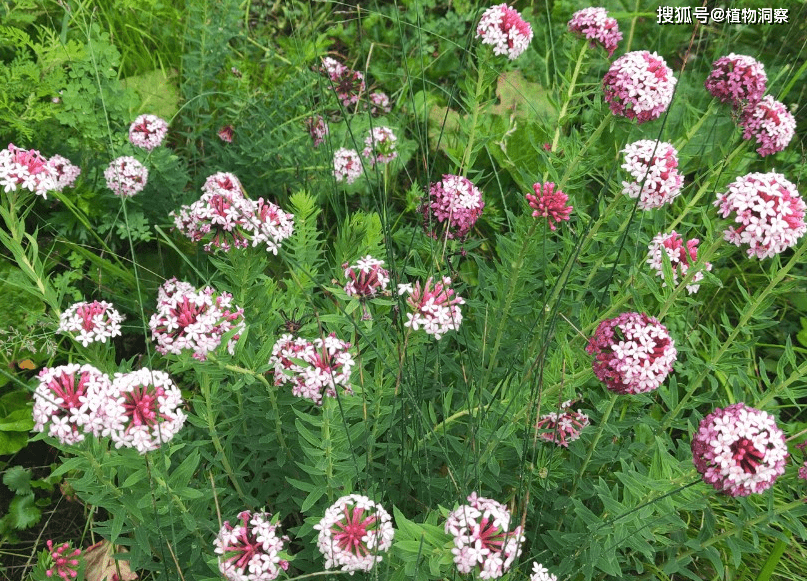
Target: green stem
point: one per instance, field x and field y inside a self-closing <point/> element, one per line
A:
<point x="480" y="86"/>
<point x="593" y="445"/>
<point x="572" y="166"/>
<point x="578" y="65"/>
<point x="204" y="384"/>
<point x="703" y="257"/>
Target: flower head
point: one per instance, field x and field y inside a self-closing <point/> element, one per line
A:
<point x="737" y="79"/>
<point x="148" y="132"/>
<point x="595" y="25"/>
<point x="72" y="400"/>
<point x="633" y="353"/>
<point x="639" y="85"/>
<point x="63" y="561"/>
<point x="145" y="410"/>
<point x="483" y="539"/>
<point x="26" y="169"/>
<point x="549" y="203"/>
<point x="739" y="450"/>
<point x="455" y="202"/>
<point x="768" y="211"/>
<point x="353" y="533"/>
<point x="195" y="320"/>
<point x="252" y="549"/>
<point x="380" y="146"/>
<point x="313" y="368"/>
<point x="379" y="104"/>
<point x="126" y="176"/>
<point x="65" y="172"/>
<point x="226" y="133"/>
<point x="682" y="255"/>
<point x="564" y="427"/>
<point x="770" y="123"/>
<point x="95" y="321"/>
<point x="346" y="165"/>
<point x="435" y="307"/>
<point x="366" y="278"/>
<point x="541" y="573"/>
<point x="346" y="83"/>
<point x="505" y="30"/>
<point x="317" y="128"/>
<point x="654" y="168"/>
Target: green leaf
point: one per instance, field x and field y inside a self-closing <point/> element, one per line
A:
<point x="158" y="93"/>
<point x="23" y="512"/>
<point x="18" y="479"/>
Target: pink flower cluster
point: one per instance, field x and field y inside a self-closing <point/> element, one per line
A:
<point x="541" y="573"/>
<point x="739" y="450"/>
<point x="26" y="169"/>
<point x="633" y="353"/>
<point x="366" y="278"/>
<point x="225" y="218"/>
<point x="138" y="410"/>
<point x="353" y="533"/>
<point x="126" y="176"/>
<point x="66" y="172"/>
<point x="768" y="210"/>
<point x="251" y="550"/>
<point x="770" y="123"/>
<point x="226" y="133"/>
<point x="483" y="539"/>
<point x="63" y="561"/>
<point x="505" y="30"/>
<point x="380" y="146"/>
<point x="455" y="202"/>
<point x="313" y="368"/>
<point x="654" y="168"/>
<point x="595" y="25"/>
<point x="195" y="320"/>
<point x="681" y="254"/>
<point x="148" y="132"/>
<point x="738" y="80"/>
<point x="317" y="128"/>
<point x="639" y="85"/>
<point x="435" y="307"/>
<point x="549" y="203"/>
<point x="346" y="165"/>
<point x="564" y="427"/>
<point x="346" y="83"/>
<point x="379" y="104"/>
<point x="95" y="321"/>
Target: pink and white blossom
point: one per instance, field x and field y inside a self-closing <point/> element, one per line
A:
<point x="454" y="203"/>
<point x="681" y="254"/>
<point x="654" y="168"/>
<point x="770" y="123"/>
<point x="26" y="169"/>
<point x="90" y="322"/>
<point x="346" y="165"/>
<point x="595" y="25"/>
<point x="639" y="85"/>
<point x="380" y="146"/>
<point x="148" y="132"/>
<point x="435" y="307"/>
<point x="66" y="173"/>
<point x="126" y="176"/>
<point x="563" y="427"/>
<point x="505" y="30"/>
<point x="252" y="550"/>
<point x="366" y="278"/>
<point x="738" y="80"/>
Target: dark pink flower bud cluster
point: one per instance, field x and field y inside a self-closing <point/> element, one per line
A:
<point x="345" y="82"/>
<point x="770" y="123"/>
<point x="549" y="203"/>
<point x="738" y="80"/>
<point x="89" y="322"/>
<point x="564" y="427"/>
<point x="253" y="549"/>
<point x="63" y="561"/>
<point x="317" y="128"/>
<point x="126" y="176"/>
<point x="595" y="25"/>
<point x="434" y="307"/>
<point x="639" y="85"/>
<point x="768" y="211"/>
<point x="366" y="278"/>
<point x="654" y="168"/>
<point x="505" y="30"/>
<point x="66" y="173"/>
<point x="148" y="132"/>
<point x="681" y="254"/>
<point x="483" y="539"/>
<point x="226" y="133"/>
<point x="739" y="450"/>
<point x="194" y="320"/>
<point x="26" y="169"/>
<point x="633" y="353"/>
<point x="455" y="202"/>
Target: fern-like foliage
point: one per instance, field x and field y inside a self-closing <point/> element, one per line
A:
<point x="304" y="250"/>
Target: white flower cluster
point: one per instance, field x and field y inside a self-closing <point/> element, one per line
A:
<point x="366" y="278"/>
<point x="66" y="172"/>
<point x="251" y="551"/>
<point x="505" y="30"/>
<point x="435" y="308"/>
<point x="26" y="170"/>
<point x="682" y="255"/>
<point x="148" y="132"/>
<point x="96" y="321"/>
<point x="654" y="167"/>
<point x="541" y="573"/>
<point x="346" y="165"/>
<point x="380" y="146"/>
<point x="126" y="176"/>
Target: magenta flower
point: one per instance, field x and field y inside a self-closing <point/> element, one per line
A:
<point x="317" y="128"/>
<point x="148" y="132"/>
<point x="435" y="308"/>
<point x="682" y="255"/>
<point x="633" y="353"/>
<point x="737" y="79"/>
<point x="194" y="320"/>
<point x="346" y="83"/>
<point x="380" y="146"/>
<point x="72" y="400"/>
<point x="226" y="133"/>
<point x="639" y="85"/>
<point x="564" y="427"/>
<point x="770" y="123"/>
<point x="483" y="539"/>
<point x="144" y="413"/>
<point x="739" y="450"/>
<point x="549" y="203"/>
<point x="65" y="172"/>
<point x="768" y="210"/>
<point x="505" y="30"/>
<point x="95" y="321"/>
<point x="126" y="176"/>
<point x="313" y="368"/>
<point x="26" y="169"/>
<point x="251" y="550"/>
<point x="379" y="104"/>
<point x="541" y="573"/>
<point x="346" y="165"/>
<point x="595" y="25"/>
<point x="455" y="203"/>
<point x="63" y="561"/>
<point x="353" y="533"/>
<point x="654" y="168"/>
<point x="366" y="278"/>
